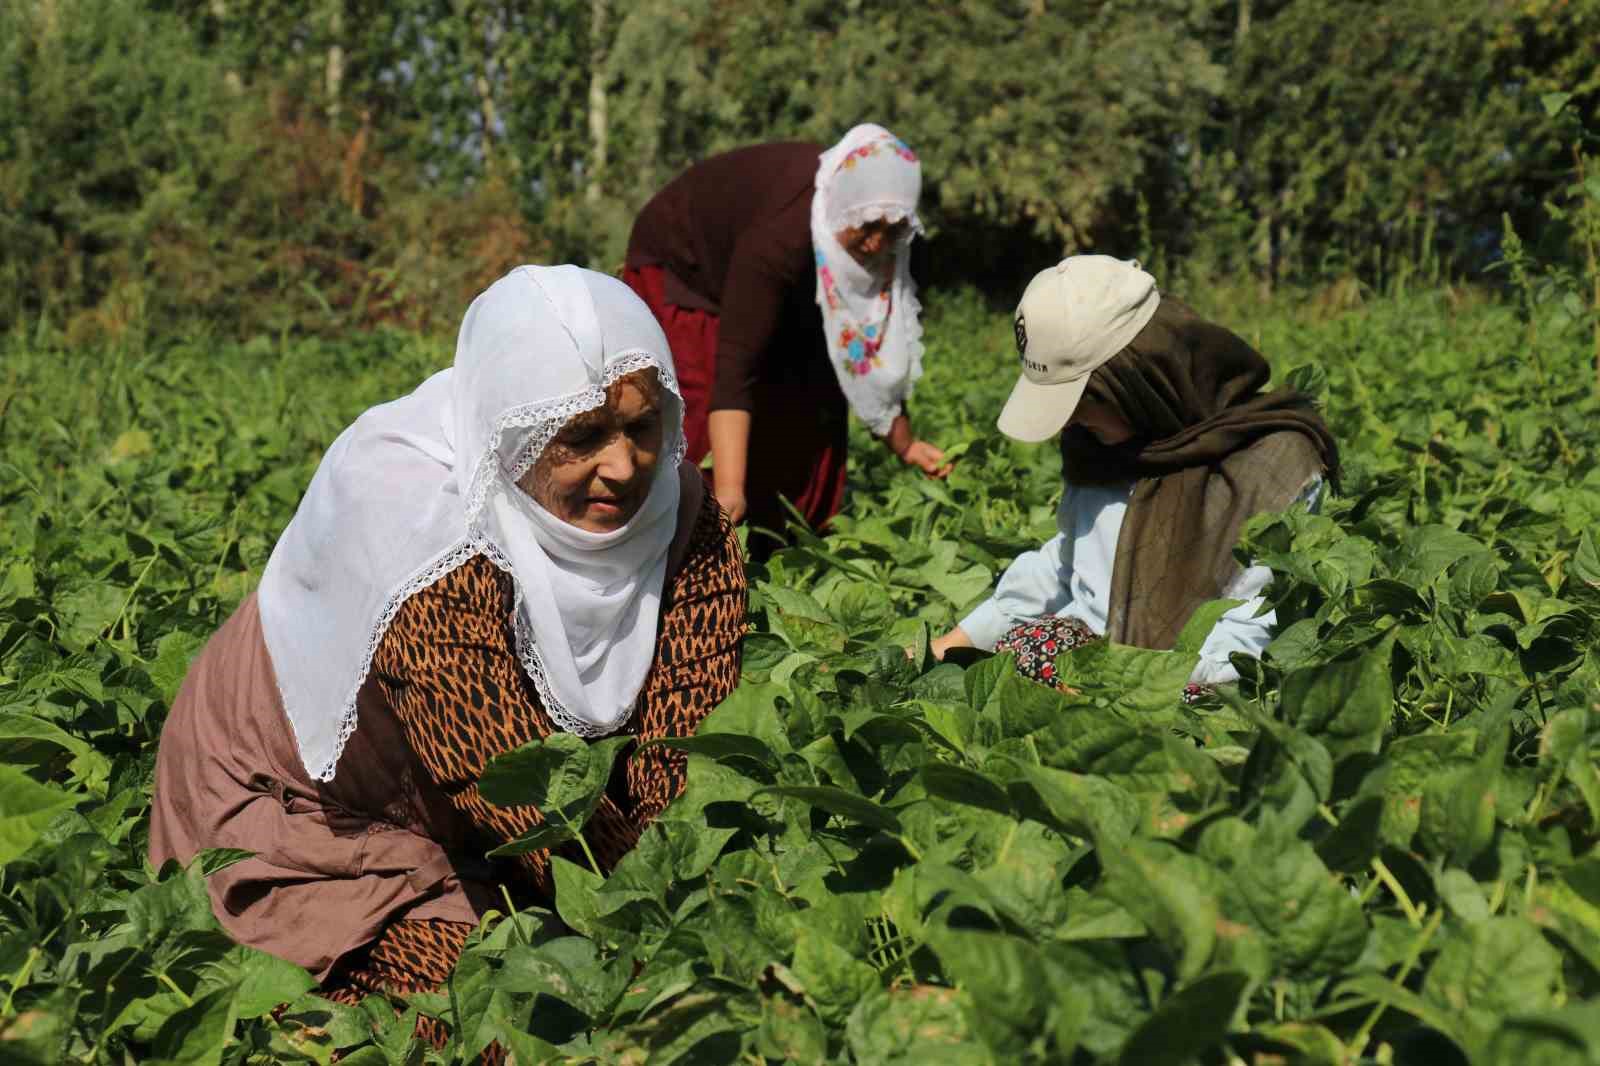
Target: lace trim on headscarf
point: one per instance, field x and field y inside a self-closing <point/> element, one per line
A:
<point x="527" y="648"/>
<point x="859" y="215"/>
<point x="545" y="419"/>
<point x="348" y="715"/>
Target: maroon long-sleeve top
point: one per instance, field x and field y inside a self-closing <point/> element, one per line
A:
<point x="733" y="237"/>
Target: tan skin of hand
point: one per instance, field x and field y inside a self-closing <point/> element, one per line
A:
<point x="729" y="430"/>
<point x="596" y="472"/>
<point x="1108" y="428"/>
<point x="871" y="244"/>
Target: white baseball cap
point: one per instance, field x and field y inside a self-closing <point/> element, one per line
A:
<point x="1071" y="319"/>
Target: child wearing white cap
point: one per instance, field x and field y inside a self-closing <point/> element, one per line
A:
<point x="1169" y="445"/>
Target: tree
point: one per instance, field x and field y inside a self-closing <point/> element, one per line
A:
<point x="1029" y="116"/>
<point x="1359" y="129"/>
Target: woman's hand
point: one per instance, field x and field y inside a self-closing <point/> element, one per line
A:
<point x="914" y="452"/>
<point x="732" y="501"/>
<point x="956" y="638"/>
<point x="926" y="457"/>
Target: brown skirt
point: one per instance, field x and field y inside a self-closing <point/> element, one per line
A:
<point x="326" y="877"/>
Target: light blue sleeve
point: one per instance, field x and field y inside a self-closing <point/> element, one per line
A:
<point x="1241" y="629"/>
<point x="1035" y="584"/>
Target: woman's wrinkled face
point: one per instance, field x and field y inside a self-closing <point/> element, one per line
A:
<point x="596" y="472"/>
<point x="872" y="244"/>
<point x="1105" y="425"/>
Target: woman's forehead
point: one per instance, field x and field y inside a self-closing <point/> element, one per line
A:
<point x="645" y="383"/>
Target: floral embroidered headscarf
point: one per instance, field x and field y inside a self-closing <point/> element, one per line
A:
<point x="872" y="323"/>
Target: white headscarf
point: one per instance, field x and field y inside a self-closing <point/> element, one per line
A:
<point x="415" y="487"/>
<point x="873" y="328"/>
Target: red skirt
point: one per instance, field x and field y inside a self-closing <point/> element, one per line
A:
<point x="798" y="424"/>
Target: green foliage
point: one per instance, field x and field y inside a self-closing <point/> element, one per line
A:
<point x="466" y="88"/>
<point x="141" y="495"/>
<point x="1293" y="139"/>
<point x="303" y="165"/>
<point x="108" y="116"/>
<point x="1559" y="295"/>
<point x="1028" y="116"/>
<point x="1381" y="849"/>
<point x="563" y="777"/>
<point x="1385" y="135"/>
<point x="148" y="190"/>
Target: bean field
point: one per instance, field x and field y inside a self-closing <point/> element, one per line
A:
<point x="1381" y="848"/>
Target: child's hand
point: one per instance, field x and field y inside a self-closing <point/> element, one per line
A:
<point x="956" y="638"/>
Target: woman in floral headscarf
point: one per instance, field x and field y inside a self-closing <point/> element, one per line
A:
<point x="780" y="275"/>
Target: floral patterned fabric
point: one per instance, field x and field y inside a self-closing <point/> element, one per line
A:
<point x="857" y="344"/>
<point x="1038" y="641"/>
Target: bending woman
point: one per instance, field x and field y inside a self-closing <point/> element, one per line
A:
<point x="1168" y="446"/>
<point x="780" y="273"/>
<point x="511" y="550"/>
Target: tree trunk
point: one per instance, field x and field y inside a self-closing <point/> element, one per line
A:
<point x="1263" y="253"/>
<point x="487" y="27"/>
<point x="333" y="73"/>
<point x="598" y="131"/>
<point x="1263" y="249"/>
<point x="334" y="80"/>
<point x="487" y="113"/>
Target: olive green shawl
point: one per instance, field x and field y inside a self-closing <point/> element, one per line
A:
<point x="1210" y="450"/>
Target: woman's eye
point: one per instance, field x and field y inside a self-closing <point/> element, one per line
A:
<point x="583" y="440"/>
<point x="643" y="427"/>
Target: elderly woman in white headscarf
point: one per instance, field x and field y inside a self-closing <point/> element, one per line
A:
<point x="780" y="274"/>
<point x="513" y="549"/>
